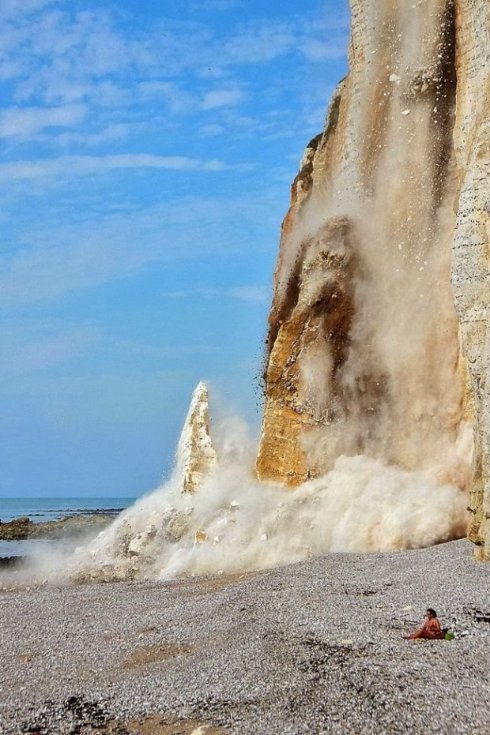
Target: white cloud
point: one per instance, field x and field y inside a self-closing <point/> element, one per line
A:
<point x="61" y="56"/>
<point x="259" y="43"/>
<point x="177" y="99"/>
<point x="222" y="98"/>
<point x="13" y="9"/>
<point x="22" y="122"/>
<point x="35" y="345"/>
<point x="93" y="60"/>
<point x="315" y="50"/>
<point x="250" y="294"/>
<point x="254" y="294"/>
<point x="56" y="258"/>
<point x="264" y="41"/>
<point x="211" y="131"/>
<point x="112" y="133"/>
<point x="69" y="166"/>
<point x="9" y="70"/>
<point x="218" y="5"/>
<point x="156" y="88"/>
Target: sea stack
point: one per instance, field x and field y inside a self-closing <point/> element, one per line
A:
<point x="196" y="455"/>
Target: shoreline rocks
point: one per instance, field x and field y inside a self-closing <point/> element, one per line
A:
<point x="10" y="561"/>
<point x="23" y="528"/>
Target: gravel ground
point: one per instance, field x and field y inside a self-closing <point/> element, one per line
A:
<point x="314" y="647"/>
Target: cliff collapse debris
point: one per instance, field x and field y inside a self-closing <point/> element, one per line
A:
<point x="366" y="352"/>
<point x="235" y="523"/>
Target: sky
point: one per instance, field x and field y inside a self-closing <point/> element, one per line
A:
<point x="147" y="148"/>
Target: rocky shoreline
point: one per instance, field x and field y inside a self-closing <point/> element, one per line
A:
<point x="10" y="561"/>
<point x="22" y="528"/>
<point x="71" y="528"/>
<point x="307" y="649"/>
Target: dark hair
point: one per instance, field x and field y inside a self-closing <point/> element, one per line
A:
<point x="432" y="612"/>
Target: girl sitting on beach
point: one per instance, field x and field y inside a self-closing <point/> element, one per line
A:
<point x="431" y="629"/>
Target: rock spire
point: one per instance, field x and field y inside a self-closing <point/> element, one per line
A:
<point x="196" y="456"/>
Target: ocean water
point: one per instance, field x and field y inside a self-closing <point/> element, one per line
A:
<point x="49" y="509"/>
<point x="28" y="547"/>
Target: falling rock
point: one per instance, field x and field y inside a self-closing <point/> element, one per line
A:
<point x="139" y="543"/>
<point x="196" y="456"/>
<point x="177" y="526"/>
<point x="373" y="349"/>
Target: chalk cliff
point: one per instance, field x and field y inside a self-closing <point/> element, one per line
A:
<point x="196" y="456"/>
<point x="387" y="230"/>
<point x="470" y="274"/>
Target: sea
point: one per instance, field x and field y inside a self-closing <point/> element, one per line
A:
<point x="49" y="509"/>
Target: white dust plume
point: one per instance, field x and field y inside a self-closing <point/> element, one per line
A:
<point x="232" y="523"/>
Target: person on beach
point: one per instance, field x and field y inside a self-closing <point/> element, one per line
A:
<point x="431" y="629"/>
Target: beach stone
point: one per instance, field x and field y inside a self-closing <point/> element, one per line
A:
<point x="17" y="529"/>
<point x="299" y="649"/>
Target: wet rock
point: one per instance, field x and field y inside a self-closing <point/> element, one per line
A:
<point x="23" y="528"/>
<point x="16" y="530"/>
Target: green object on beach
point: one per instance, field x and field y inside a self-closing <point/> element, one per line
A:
<point x="449" y="637"/>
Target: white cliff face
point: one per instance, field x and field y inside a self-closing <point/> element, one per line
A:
<point x="364" y="356"/>
<point x="388" y="231"/>
<point x="196" y="456"/>
<point x="470" y="266"/>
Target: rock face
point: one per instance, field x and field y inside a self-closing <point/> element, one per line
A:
<point x="472" y="235"/>
<point x="364" y="346"/>
<point x="196" y="456"/>
<point x="23" y="528"/>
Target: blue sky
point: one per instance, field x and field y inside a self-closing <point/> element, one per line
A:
<point x="147" y="150"/>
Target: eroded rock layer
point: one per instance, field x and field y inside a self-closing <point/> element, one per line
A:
<point x="470" y="275"/>
<point x="364" y="351"/>
<point x="196" y="455"/>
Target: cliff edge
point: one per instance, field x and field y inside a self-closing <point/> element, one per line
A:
<point x="377" y="339"/>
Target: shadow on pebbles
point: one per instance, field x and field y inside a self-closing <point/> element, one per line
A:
<point x="78" y="716"/>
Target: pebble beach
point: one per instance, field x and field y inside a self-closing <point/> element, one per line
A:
<point x="315" y="647"/>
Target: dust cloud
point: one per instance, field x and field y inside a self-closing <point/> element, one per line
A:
<point x="377" y="339"/>
<point x="235" y="524"/>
